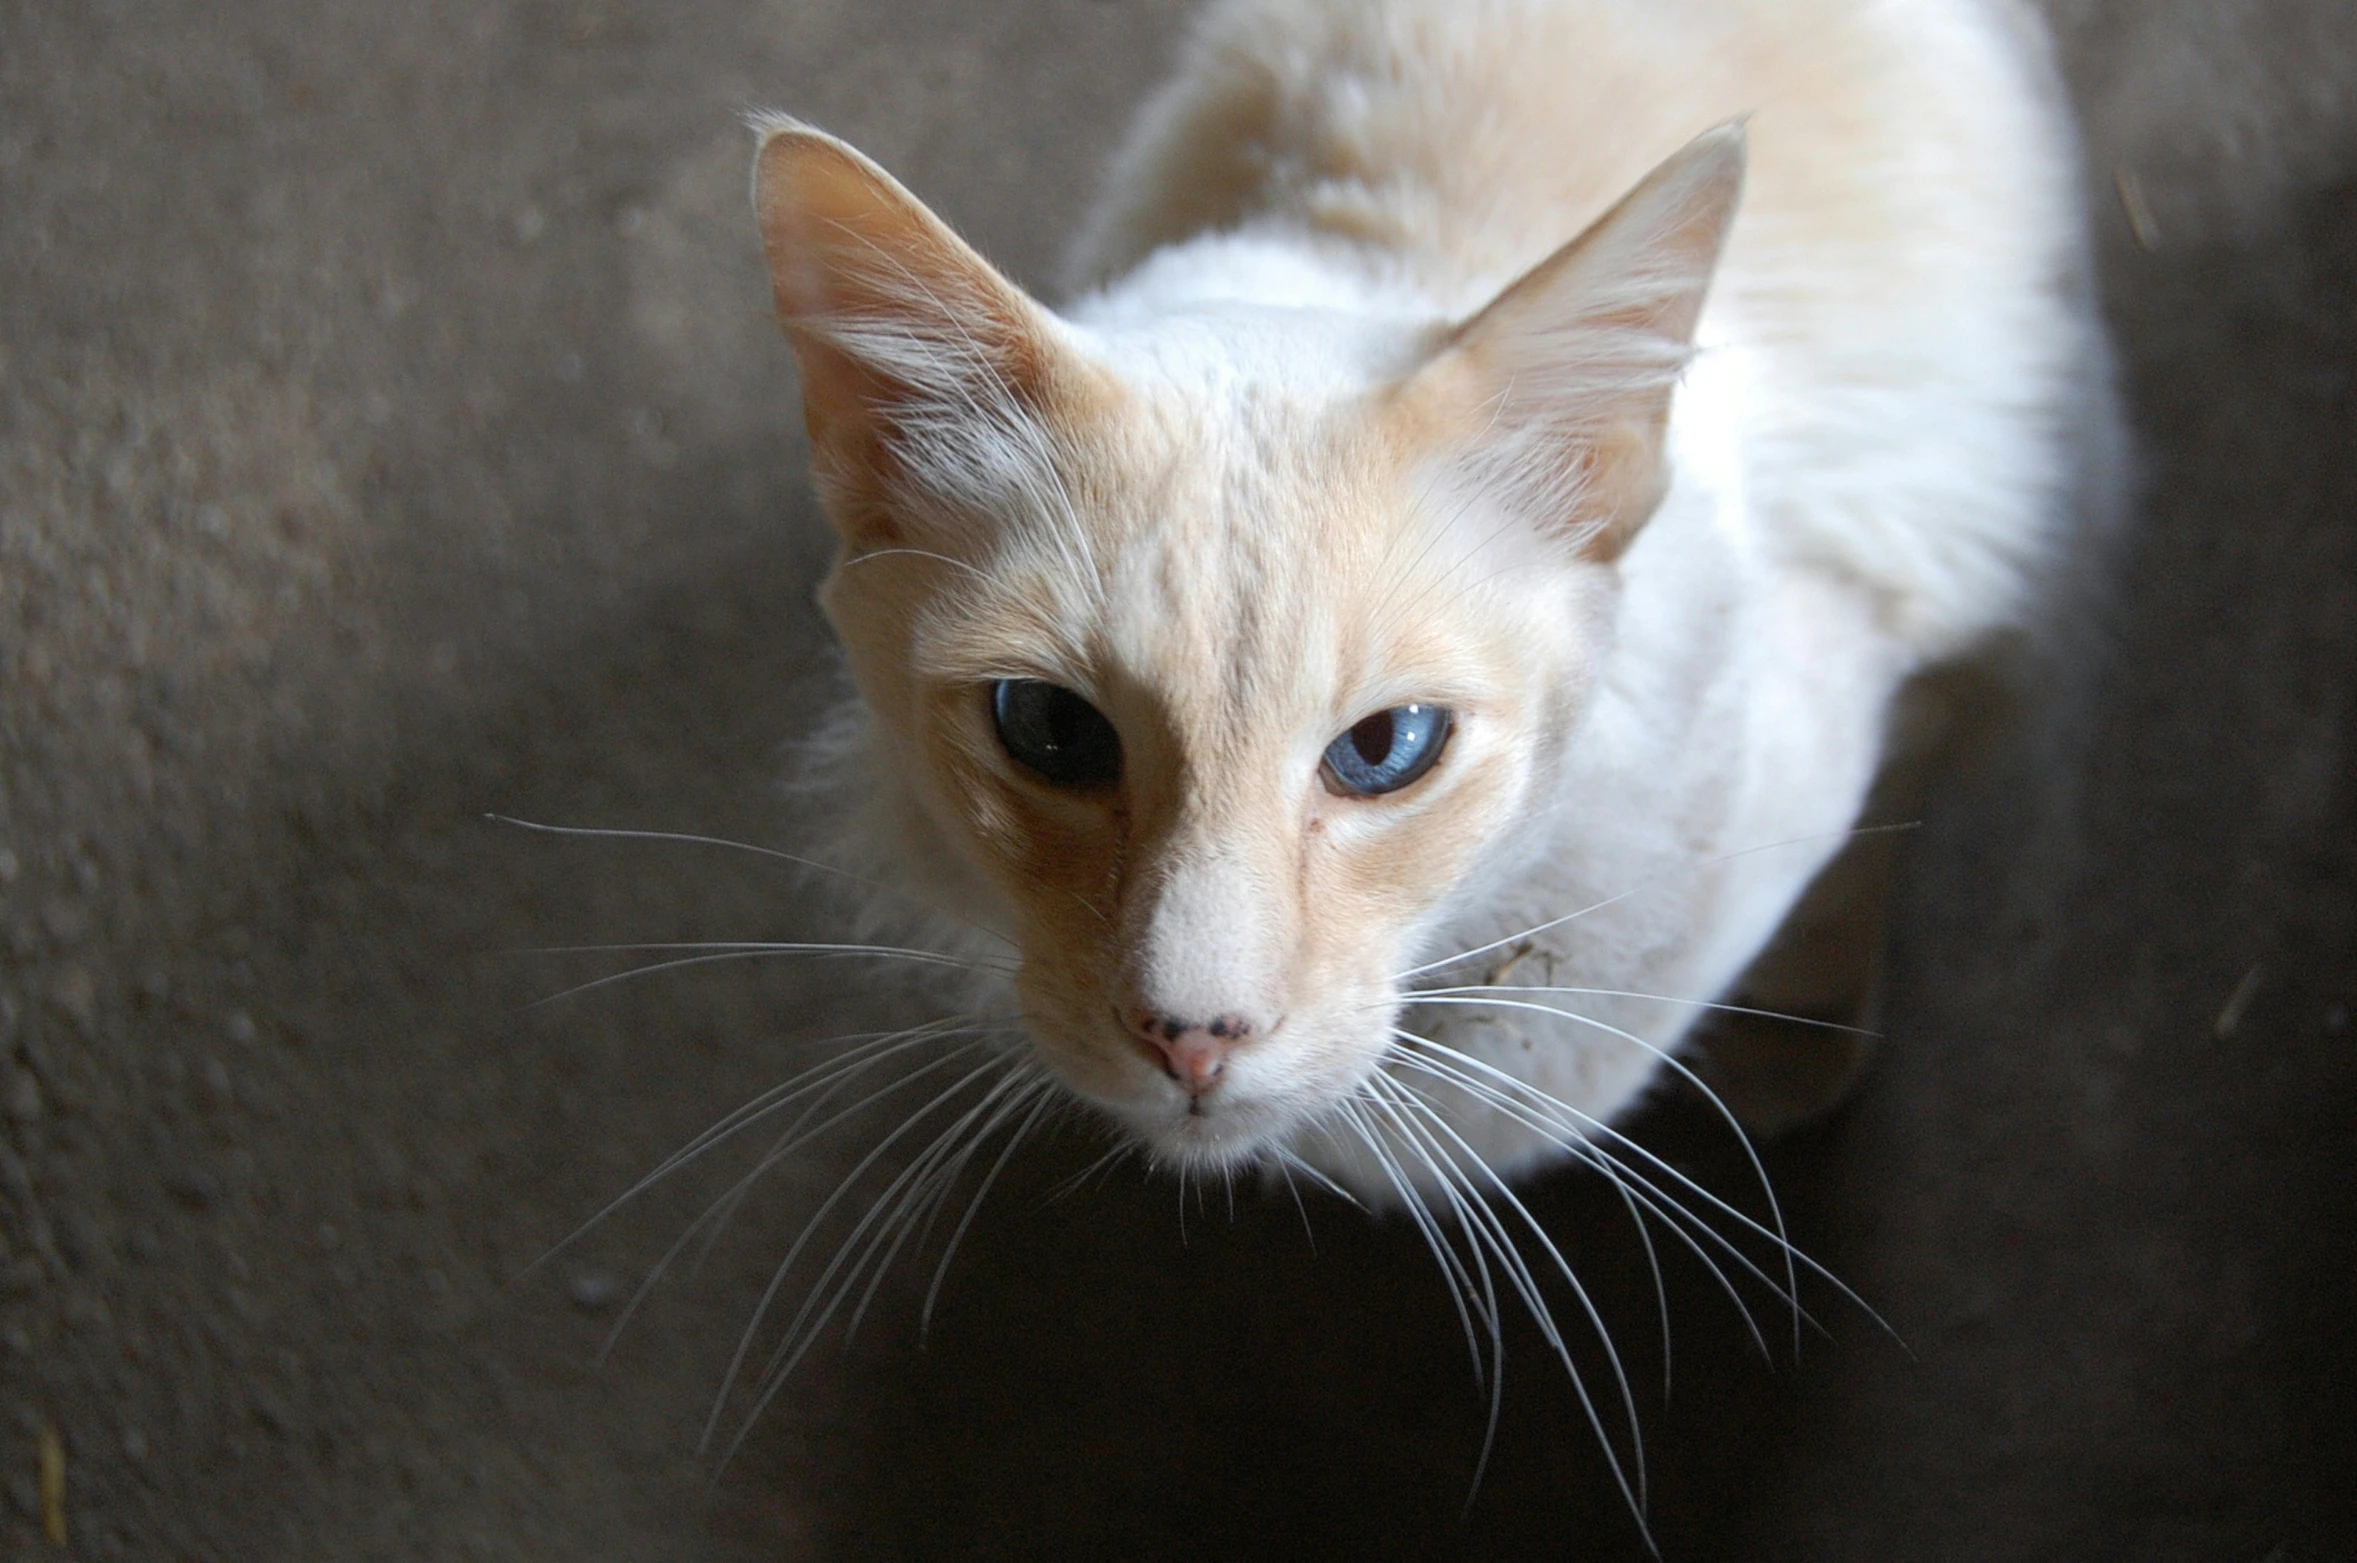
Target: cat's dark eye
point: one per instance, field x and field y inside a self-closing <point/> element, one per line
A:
<point x="1384" y="752"/>
<point x="1055" y="734"/>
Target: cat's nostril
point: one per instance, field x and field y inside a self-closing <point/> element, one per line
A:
<point x="1193" y="1053"/>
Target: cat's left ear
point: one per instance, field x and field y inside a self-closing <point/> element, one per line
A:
<point x="1559" y="390"/>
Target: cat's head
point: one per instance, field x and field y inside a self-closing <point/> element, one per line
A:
<point x="1230" y="645"/>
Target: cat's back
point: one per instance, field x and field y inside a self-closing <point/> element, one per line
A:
<point x="1474" y="136"/>
<point x="1904" y="266"/>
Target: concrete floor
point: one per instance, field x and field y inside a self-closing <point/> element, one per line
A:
<point x="392" y="432"/>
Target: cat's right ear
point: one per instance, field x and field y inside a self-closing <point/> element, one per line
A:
<point x="908" y="341"/>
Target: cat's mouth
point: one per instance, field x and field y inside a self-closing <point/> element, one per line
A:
<point x="1211" y="1131"/>
<point x="1249" y="1110"/>
<point x="1215" y="1092"/>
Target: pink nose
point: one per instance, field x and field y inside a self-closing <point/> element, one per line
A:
<point x="1194" y="1054"/>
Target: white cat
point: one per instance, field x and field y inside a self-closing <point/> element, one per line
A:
<point x="1405" y="637"/>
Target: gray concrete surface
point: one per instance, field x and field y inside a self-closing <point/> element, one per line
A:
<point x="391" y="432"/>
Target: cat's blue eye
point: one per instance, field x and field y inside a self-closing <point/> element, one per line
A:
<point x="1386" y="751"/>
<point x="1055" y="734"/>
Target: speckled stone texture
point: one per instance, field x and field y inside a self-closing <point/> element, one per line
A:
<point x="392" y="433"/>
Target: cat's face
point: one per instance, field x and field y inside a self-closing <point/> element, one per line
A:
<point x="1226" y="651"/>
<point x="1230" y="603"/>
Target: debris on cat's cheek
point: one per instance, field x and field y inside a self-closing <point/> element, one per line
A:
<point x="1514" y="957"/>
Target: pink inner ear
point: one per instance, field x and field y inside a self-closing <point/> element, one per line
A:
<point x="849" y="248"/>
<point x="1570" y="369"/>
<point x="892" y="317"/>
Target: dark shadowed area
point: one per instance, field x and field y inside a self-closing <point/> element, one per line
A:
<point x="392" y="433"/>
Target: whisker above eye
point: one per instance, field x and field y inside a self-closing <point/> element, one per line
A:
<point x="919" y="553"/>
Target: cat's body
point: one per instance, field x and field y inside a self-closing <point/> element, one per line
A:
<point x="1287" y="469"/>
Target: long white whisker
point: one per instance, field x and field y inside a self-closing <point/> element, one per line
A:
<point x="1047" y="1099"/>
<point x="1648" y="883"/>
<point x="1592" y="1155"/>
<point x="927" y="1195"/>
<point x="897" y="1208"/>
<point x="802" y="1131"/>
<point x="1414" y="995"/>
<point x="1452" y="1269"/>
<point x="866" y="1053"/>
<point x="1644" y="1196"/>
<point x="777" y="1277"/>
<point x="1568" y="1129"/>
<point x="1065" y="1187"/>
<point x="919" y="553"/>
<point x="759" y="952"/>
<point x="1410" y="1102"/>
<point x="689" y="838"/>
<point x="888" y="1219"/>
<point x="829" y="1075"/>
<point x="1296" y="1164"/>
<point x="894" y="1208"/>
<point x="795" y="1136"/>
<point x="1463" y="1204"/>
<point x="1573" y="1121"/>
<point x="1024" y="1087"/>
<point x="1556" y="1117"/>
<point x="1677" y="1066"/>
<point x="1300" y="1205"/>
<point x="781" y="947"/>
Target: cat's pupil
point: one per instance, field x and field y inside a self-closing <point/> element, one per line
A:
<point x="1372" y="738"/>
<point x="1055" y="734"/>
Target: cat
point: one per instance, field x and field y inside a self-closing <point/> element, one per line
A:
<point x="1397" y="645"/>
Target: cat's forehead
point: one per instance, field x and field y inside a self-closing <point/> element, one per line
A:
<point x="1234" y="526"/>
<point x="1216" y="353"/>
<point x="1260" y="535"/>
<point x="1242" y="484"/>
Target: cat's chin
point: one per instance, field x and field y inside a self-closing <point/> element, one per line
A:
<point x="1219" y="1134"/>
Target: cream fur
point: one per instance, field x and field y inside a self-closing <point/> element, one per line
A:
<point x="1262" y="478"/>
